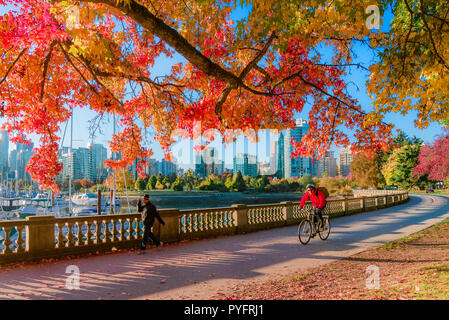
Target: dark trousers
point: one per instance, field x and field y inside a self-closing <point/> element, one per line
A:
<point x="149" y="235"/>
<point x="317" y="212"/>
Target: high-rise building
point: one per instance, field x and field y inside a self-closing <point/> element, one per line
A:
<point x="345" y="158"/>
<point x="4" y="152"/>
<point x="78" y="165"/>
<point x="246" y="164"/>
<point x="165" y="167"/>
<point x="23" y="155"/>
<point x="81" y="164"/>
<point x="207" y="163"/>
<point x="301" y="166"/>
<point x="98" y="155"/>
<point x="151" y="167"/>
<point x="280" y="159"/>
<point x="328" y="165"/>
<point x="274" y="151"/>
<point x="12" y="160"/>
<point x="264" y="168"/>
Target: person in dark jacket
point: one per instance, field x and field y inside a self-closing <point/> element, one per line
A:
<point x="149" y="214"/>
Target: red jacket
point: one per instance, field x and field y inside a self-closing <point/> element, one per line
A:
<point x="317" y="198"/>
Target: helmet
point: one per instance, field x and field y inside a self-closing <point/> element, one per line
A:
<point x="310" y="186"/>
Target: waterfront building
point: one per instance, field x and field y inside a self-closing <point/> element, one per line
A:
<point x="150" y="169"/>
<point x="328" y="165"/>
<point x="165" y="167"/>
<point x="345" y="158"/>
<point x="84" y="163"/>
<point x="280" y="156"/>
<point x="4" y="151"/>
<point x="81" y="164"/>
<point x="301" y="166"/>
<point x="23" y="156"/>
<point x="98" y="155"/>
<point x="264" y="168"/>
<point x="207" y="163"/>
<point x="12" y="160"/>
<point x="246" y="164"/>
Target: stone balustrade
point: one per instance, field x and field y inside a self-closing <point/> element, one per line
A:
<point x="40" y="237"/>
<point x="374" y="192"/>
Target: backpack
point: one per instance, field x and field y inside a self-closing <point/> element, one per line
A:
<point x="324" y="191"/>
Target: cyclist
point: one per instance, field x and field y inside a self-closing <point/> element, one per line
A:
<point x="318" y="201"/>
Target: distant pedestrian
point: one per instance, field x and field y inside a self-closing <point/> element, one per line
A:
<point x="149" y="214"/>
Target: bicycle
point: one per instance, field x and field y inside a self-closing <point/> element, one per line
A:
<point x="307" y="229"/>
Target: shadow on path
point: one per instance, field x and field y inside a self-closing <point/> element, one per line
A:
<point x="198" y="269"/>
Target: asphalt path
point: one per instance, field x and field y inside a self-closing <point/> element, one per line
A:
<point x="201" y="269"/>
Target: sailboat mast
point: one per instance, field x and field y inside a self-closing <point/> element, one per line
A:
<point x="70" y="164"/>
<point x="113" y="193"/>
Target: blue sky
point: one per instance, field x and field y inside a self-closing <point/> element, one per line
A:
<point x="182" y="150"/>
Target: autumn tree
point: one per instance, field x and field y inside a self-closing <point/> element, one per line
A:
<point x="120" y="183"/>
<point x="365" y="171"/>
<point x="235" y="76"/>
<point x="434" y="160"/>
<point x="413" y="68"/>
<point x="86" y="183"/>
<point x="76" y="185"/>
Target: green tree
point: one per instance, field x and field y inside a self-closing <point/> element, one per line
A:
<point x="398" y="170"/>
<point x="305" y="180"/>
<point x="160" y="178"/>
<point x="177" y="185"/>
<point x="152" y="183"/>
<point x="262" y="183"/>
<point x="166" y="182"/>
<point x="189" y="179"/>
<point x="213" y="183"/>
<point x="140" y="184"/>
<point x="238" y="183"/>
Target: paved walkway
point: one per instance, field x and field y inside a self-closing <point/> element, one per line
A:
<point x="201" y="269"/>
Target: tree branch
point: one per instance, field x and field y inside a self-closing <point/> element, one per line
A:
<point x="12" y="65"/>
<point x="77" y="69"/>
<point x="44" y="72"/>
<point x="253" y="63"/>
<point x="153" y="24"/>
<point x="431" y="37"/>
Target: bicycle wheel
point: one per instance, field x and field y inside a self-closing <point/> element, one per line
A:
<point x="325" y="230"/>
<point x="304" y="231"/>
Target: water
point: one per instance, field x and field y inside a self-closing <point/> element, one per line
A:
<point x="181" y="200"/>
<point x="197" y="200"/>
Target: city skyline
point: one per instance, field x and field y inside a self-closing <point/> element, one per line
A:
<point x="87" y="162"/>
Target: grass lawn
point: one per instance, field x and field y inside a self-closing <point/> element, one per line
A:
<point x="413" y="267"/>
